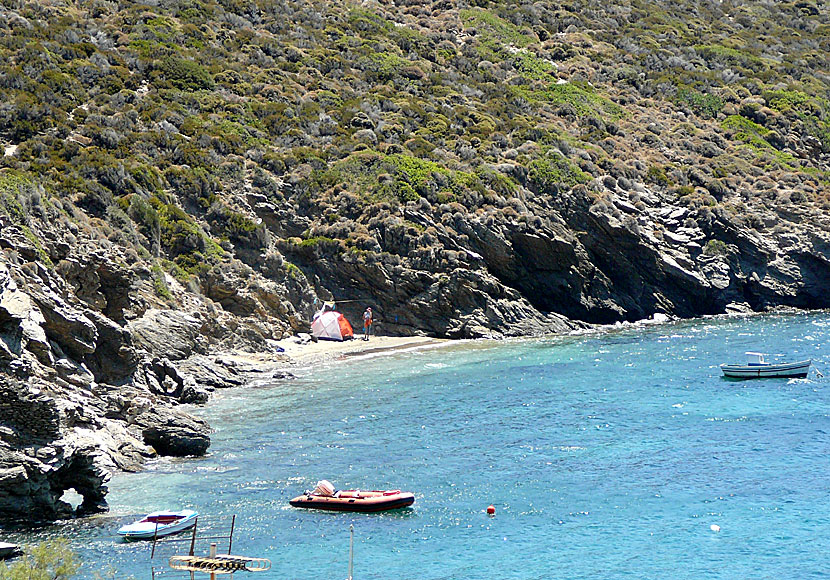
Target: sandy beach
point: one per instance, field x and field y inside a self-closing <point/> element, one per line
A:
<point x="297" y="353"/>
<point x="324" y="350"/>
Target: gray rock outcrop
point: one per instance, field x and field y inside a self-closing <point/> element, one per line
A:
<point x="79" y="400"/>
<point x="590" y="255"/>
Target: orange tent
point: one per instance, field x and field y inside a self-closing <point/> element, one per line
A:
<point x="331" y="325"/>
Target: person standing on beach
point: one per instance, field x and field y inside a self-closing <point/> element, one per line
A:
<point x="367" y="323"/>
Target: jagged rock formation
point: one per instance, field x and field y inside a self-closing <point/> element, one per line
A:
<point x="88" y="361"/>
<point x="77" y="399"/>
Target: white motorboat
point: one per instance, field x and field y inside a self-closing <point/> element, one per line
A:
<point x="8" y="550"/>
<point x="757" y="368"/>
<point x="158" y="525"/>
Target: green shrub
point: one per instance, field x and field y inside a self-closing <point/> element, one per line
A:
<point x="705" y="105"/>
<point x="746" y="130"/>
<point x="399" y="189"/>
<point x="293" y="271"/>
<point x="35" y="241"/>
<point x="385" y="66"/>
<point x="186" y="75"/>
<point x="554" y="172"/>
<point x="495" y="27"/>
<point x="414" y="170"/>
<point x="160" y="284"/>
<point x="184" y="240"/>
<point x="581" y="97"/>
<point x="318" y="241"/>
<point x="759" y="139"/>
<point x="499" y="183"/>
<point x="195" y="184"/>
<point x="13" y="184"/>
<point x="813" y="111"/>
<point x="789" y="100"/>
<point x="730" y="56"/>
<point x="657" y="174"/>
<point x="238" y="223"/>
<point x="715" y="248"/>
<point x="146" y="218"/>
<point x="51" y="560"/>
<point x="367" y="22"/>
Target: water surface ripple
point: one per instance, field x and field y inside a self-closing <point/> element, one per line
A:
<point x="607" y="455"/>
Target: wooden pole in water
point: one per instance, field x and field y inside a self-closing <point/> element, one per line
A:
<point x="193" y="537"/>
<point x="230" y="538"/>
<point x="213" y="555"/>
<point x="155" y="539"/>
<point x="351" y="550"/>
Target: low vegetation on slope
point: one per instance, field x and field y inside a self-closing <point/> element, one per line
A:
<point x="167" y="127"/>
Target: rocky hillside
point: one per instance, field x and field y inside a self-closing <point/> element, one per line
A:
<point x="181" y="178"/>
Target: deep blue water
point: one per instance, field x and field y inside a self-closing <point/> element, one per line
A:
<point x="607" y="455"/>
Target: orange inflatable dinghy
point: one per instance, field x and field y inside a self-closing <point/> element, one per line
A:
<point x="353" y="500"/>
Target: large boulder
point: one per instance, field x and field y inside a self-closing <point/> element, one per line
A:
<point x="172" y="432"/>
<point x="161" y="377"/>
<point x="64" y="323"/>
<point x="21" y="321"/>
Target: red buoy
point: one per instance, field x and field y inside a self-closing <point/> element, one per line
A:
<point x="491" y="510"/>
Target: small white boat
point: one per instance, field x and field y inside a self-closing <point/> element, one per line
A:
<point x="158" y="525"/>
<point x="757" y="368"/>
<point x="8" y="550"/>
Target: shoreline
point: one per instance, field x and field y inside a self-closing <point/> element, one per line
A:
<point x="299" y="354"/>
<point x="325" y="351"/>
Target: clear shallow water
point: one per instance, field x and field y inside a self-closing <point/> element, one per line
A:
<point x="606" y="456"/>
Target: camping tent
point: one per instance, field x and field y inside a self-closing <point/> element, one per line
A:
<point x="331" y="325"/>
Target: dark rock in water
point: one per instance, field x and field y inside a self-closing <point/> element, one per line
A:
<point x="160" y="376"/>
<point x="212" y="373"/>
<point x="283" y="375"/>
<point x="170" y="432"/>
<point x="738" y="308"/>
<point x="190" y="395"/>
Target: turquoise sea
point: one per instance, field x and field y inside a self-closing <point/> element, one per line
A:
<point x="614" y="454"/>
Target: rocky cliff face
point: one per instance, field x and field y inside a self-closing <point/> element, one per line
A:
<point x="88" y="369"/>
<point x="595" y="254"/>
<point x="78" y="399"/>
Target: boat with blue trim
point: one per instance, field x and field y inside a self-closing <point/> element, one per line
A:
<point x="159" y="524"/>
<point x="757" y="368"/>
